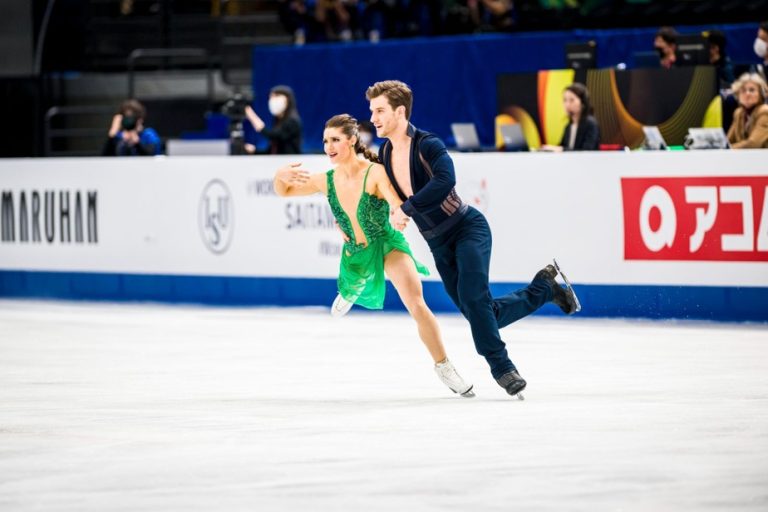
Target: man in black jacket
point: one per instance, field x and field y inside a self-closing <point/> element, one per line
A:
<point x="458" y="235"/>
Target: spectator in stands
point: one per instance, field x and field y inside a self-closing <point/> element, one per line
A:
<point x="295" y="17"/>
<point x="761" y="49"/>
<point x="337" y="18"/>
<point x="286" y="132"/>
<point x="750" y="121"/>
<point x="128" y="136"/>
<point x="665" y="44"/>
<point x="498" y="15"/>
<point x="366" y="133"/>
<point x="582" y="132"/>
<point x="718" y="58"/>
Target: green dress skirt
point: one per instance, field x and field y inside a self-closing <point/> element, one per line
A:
<point x="361" y="271"/>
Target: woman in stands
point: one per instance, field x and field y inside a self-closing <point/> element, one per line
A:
<point x="750" y="120"/>
<point x="285" y="135"/>
<point x="360" y="196"/>
<point x="582" y="132"/>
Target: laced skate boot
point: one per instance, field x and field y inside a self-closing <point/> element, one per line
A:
<point x="451" y="378"/>
<point x="340" y="307"/>
<point x="513" y="383"/>
<point x="564" y="298"/>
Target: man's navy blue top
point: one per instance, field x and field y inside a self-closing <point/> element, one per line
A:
<point x="434" y="205"/>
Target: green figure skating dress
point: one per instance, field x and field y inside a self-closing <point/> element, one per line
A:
<point x="361" y="272"/>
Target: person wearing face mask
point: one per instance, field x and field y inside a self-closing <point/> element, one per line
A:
<point x="750" y="121"/>
<point x="285" y="134"/>
<point x="665" y="44"/>
<point x="761" y="50"/>
<point x="582" y="132"/>
<point x="128" y="136"/>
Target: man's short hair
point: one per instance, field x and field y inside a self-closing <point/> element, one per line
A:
<point x="397" y="93"/>
<point x="668" y="34"/>
<point x="764" y="26"/>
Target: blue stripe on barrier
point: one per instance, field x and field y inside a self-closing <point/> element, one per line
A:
<point x="644" y="301"/>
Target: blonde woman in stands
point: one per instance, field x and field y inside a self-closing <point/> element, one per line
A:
<point x="750" y="121"/>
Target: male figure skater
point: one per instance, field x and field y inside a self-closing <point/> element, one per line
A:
<point x="458" y="235"/>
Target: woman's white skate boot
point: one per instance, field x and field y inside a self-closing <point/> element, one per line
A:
<point x="340" y="307"/>
<point x="451" y="378"/>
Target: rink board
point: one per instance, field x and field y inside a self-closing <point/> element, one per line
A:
<point x="654" y="234"/>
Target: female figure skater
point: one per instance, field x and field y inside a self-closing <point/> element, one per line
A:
<point x="360" y="196"/>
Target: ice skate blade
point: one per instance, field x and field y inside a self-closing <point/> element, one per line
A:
<point x="520" y="396"/>
<point x="569" y="286"/>
<point x="468" y="393"/>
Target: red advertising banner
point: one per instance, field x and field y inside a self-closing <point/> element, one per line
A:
<point x="708" y="219"/>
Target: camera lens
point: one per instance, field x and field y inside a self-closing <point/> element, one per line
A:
<point x="128" y="123"/>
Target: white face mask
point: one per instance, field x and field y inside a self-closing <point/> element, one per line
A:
<point x="277" y="104"/>
<point x="760" y="47"/>
<point x="365" y="138"/>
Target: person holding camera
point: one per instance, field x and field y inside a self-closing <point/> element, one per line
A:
<point x="285" y="134"/>
<point x="128" y="136"/>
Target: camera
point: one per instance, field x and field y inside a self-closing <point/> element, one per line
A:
<point x="234" y="107"/>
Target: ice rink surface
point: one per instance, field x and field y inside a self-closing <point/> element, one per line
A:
<point x="160" y="408"/>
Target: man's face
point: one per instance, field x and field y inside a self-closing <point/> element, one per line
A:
<point x="384" y="117"/>
<point x="762" y="34"/>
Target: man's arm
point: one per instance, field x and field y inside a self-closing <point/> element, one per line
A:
<point x="443" y="177"/>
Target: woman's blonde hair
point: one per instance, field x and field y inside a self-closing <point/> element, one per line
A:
<point x="755" y="79"/>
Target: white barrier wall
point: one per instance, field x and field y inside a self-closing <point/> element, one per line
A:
<point x="652" y="218"/>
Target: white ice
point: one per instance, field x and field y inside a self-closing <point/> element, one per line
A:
<point x="160" y="408"/>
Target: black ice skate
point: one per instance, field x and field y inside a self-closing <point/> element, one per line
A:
<point x="513" y="383"/>
<point x="564" y="298"/>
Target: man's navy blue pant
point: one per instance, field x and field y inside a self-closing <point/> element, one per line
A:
<point x="462" y="257"/>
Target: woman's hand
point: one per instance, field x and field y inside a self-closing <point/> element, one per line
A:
<point x="254" y="118"/>
<point x="292" y="175"/>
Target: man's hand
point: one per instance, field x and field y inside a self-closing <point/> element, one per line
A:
<point x="399" y="219"/>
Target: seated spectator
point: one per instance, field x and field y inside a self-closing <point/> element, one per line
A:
<point x="582" y="132"/>
<point x="337" y="18"/>
<point x="296" y="19"/>
<point x="285" y="134"/>
<point x="499" y="15"/>
<point x="750" y="121"/>
<point x="665" y="44"/>
<point x="128" y="136"/>
<point x="718" y="58"/>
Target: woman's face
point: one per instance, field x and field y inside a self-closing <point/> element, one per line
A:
<point x="749" y="95"/>
<point x="336" y="145"/>
<point x="278" y="104"/>
<point x="571" y="103"/>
